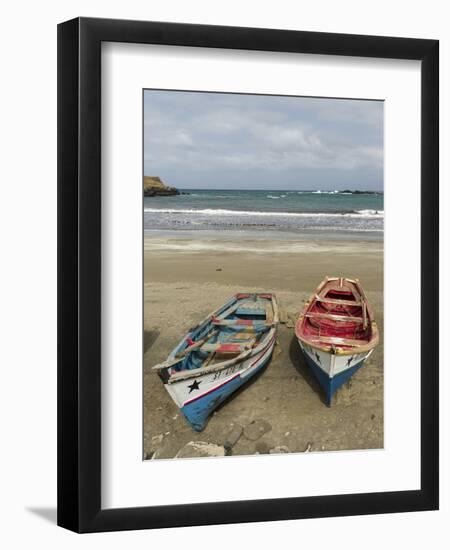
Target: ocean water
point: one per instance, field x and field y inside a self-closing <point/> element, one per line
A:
<point x="294" y="212"/>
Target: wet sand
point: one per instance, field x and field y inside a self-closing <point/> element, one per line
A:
<point x="185" y="279"/>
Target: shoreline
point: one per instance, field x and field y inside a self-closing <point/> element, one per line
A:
<point x="257" y="233"/>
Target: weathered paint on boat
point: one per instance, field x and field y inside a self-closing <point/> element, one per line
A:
<point x="198" y="391"/>
<point x="198" y="409"/>
<point x="329" y="377"/>
<point x="342" y="334"/>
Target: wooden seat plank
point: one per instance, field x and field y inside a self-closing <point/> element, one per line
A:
<point x="237" y="322"/>
<point x="225" y="348"/>
<point x="336" y="340"/>
<point x="317" y="315"/>
<point x="337" y="302"/>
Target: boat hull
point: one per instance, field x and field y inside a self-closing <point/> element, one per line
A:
<point x="332" y="370"/>
<point x="198" y="397"/>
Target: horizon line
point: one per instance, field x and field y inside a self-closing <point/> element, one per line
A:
<point x="276" y="190"/>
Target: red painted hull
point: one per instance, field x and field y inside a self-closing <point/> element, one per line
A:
<point x="338" y="316"/>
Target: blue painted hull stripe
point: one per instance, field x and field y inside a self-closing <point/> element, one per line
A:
<point x="197" y="412"/>
<point x="331" y="385"/>
<point x="260" y="354"/>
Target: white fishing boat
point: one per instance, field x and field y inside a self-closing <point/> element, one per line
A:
<point x="220" y="354"/>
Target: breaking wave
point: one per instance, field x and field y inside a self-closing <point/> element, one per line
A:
<point x="226" y="212"/>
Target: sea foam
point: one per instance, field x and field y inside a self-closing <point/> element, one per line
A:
<point x="225" y="212"/>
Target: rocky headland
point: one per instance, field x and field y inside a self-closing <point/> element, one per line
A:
<point x="155" y="187"/>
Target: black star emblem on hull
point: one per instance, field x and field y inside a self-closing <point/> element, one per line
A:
<point x="194" y="386"/>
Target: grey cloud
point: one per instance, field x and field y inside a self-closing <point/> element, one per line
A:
<point x="211" y="140"/>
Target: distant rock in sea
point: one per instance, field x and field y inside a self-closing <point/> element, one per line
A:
<point x="155" y="187"/>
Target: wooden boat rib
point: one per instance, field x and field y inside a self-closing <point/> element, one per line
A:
<point x="336" y="331"/>
<point x="220" y="354"/>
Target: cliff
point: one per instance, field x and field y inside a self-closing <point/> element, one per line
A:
<point x="155" y="187"/>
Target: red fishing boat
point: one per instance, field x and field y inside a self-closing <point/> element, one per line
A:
<point x="336" y="331"/>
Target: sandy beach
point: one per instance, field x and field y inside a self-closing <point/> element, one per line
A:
<point x="185" y="278"/>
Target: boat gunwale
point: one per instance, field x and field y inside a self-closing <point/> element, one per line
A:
<point x="246" y="354"/>
<point x="333" y="349"/>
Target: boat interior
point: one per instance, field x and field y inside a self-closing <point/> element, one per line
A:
<point x="338" y="314"/>
<point x="240" y="325"/>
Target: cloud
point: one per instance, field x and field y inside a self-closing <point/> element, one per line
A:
<point x="211" y="140"/>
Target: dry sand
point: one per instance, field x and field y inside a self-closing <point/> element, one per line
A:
<point x="185" y="279"/>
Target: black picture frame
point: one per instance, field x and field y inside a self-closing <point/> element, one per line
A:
<point x="79" y="274"/>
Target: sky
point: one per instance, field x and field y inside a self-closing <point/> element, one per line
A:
<point x="207" y="140"/>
